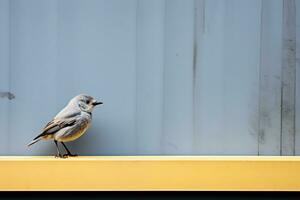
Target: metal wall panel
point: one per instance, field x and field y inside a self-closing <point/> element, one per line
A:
<point x="149" y="75"/>
<point x="228" y="77"/>
<point x="297" y="90"/>
<point x="176" y="77"/>
<point x="4" y="73"/>
<point x="33" y="68"/>
<point x="270" y="78"/>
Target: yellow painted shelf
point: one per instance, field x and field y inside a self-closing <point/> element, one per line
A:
<point x="150" y="173"/>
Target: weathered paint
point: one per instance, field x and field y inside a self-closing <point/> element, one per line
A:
<point x="288" y="78"/>
<point x="227" y="77"/>
<point x="270" y="78"/>
<point x="297" y="103"/>
<point x="199" y="29"/>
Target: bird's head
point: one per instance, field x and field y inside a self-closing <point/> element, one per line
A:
<point x="85" y="102"/>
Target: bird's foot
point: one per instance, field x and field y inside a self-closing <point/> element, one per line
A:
<point x="59" y="156"/>
<point x="70" y="155"/>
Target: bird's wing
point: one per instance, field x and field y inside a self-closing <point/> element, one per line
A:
<point x="57" y="124"/>
<point x="68" y="112"/>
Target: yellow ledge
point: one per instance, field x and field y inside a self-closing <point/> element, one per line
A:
<point x="138" y="173"/>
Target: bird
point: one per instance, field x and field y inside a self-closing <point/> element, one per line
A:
<point x="70" y="123"/>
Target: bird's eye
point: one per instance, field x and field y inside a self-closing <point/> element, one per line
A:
<point x="88" y="101"/>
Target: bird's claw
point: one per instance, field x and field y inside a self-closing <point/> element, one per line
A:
<point x="65" y="155"/>
<point x="70" y="155"/>
<point x="59" y="156"/>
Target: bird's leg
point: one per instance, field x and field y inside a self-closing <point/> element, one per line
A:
<point x="58" y="155"/>
<point x="68" y="152"/>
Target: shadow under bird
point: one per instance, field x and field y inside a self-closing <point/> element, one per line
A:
<point x="70" y="123"/>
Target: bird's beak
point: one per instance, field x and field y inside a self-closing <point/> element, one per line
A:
<point x="97" y="103"/>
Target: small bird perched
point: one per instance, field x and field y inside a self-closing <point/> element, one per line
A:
<point x="70" y="123"/>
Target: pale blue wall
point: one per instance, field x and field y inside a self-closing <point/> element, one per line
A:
<point x="175" y="76"/>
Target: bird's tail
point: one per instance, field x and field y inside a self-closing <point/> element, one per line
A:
<point x="34" y="141"/>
